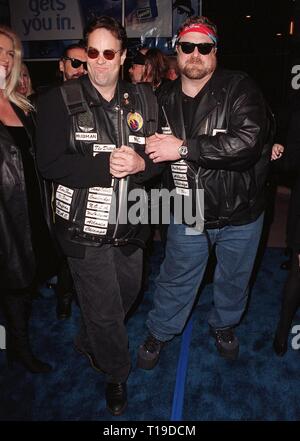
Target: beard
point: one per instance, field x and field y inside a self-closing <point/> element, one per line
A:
<point x="195" y="70"/>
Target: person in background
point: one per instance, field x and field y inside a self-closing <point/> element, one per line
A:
<point x="172" y="69"/>
<point x="216" y="132"/>
<point x="72" y="64"/>
<point x="155" y="68"/>
<point x="27" y="257"/>
<point x="25" y="85"/>
<point x="137" y="69"/>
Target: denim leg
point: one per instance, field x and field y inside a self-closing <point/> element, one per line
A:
<point x="236" y="248"/>
<point x="178" y="282"/>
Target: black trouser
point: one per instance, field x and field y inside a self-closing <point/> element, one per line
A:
<point x="107" y="283"/>
<point x="291" y="298"/>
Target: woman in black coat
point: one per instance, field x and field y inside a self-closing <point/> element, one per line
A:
<point x="291" y="292"/>
<point x="25" y="244"/>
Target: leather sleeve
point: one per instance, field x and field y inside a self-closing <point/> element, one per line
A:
<point x="248" y="127"/>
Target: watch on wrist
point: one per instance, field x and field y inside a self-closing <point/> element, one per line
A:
<point x="183" y="150"/>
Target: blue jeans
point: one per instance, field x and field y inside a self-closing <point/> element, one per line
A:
<point x="183" y="268"/>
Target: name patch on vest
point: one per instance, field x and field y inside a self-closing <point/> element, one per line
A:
<point x="137" y="139"/>
<point x="79" y="136"/>
<point x="98" y="148"/>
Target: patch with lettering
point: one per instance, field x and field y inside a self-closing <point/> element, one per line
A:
<point x="98" y="148"/>
<point x="79" y="136"/>
<point x="137" y="139"/>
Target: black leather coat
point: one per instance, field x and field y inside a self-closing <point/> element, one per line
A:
<point x="229" y="146"/>
<point x="17" y="257"/>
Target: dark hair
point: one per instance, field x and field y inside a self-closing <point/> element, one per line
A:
<point x="155" y="66"/>
<point x="79" y="45"/>
<point x="110" y="24"/>
<point x="196" y="19"/>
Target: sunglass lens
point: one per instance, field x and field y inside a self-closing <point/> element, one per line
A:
<point x="109" y="54"/>
<point x="92" y="53"/>
<point x="187" y="48"/>
<point x="75" y="63"/>
<point x="205" y="49"/>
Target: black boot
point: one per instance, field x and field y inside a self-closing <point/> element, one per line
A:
<point x="116" y="398"/>
<point x="17" y="308"/>
<point x="290" y="303"/>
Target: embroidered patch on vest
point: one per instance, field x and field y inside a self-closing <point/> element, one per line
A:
<point x="135" y="121"/>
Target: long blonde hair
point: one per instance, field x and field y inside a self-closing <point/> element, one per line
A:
<point x="13" y="78"/>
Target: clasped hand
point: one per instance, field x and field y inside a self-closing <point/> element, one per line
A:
<point x="162" y="148"/>
<point x="125" y="161"/>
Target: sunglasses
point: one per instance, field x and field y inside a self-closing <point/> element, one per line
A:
<point x="203" y="48"/>
<point x="108" y="54"/>
<point x="76" y="63"/>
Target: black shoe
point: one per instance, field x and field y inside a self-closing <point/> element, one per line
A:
<point x="29" y="362"/>
<point x="226" y="343"/>
<point x="148" y="354"/>
<point x="286" y="265"/>
<point x="64" y="306"/>
<point x="90" y="357"/>
<point x="116" y="398"/>
<point x="279" y="345"/>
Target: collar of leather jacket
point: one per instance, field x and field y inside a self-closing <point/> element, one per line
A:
<point x="93" y="98"/>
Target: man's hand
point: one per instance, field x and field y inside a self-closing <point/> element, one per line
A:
<point x="277" y="151"/>
<point x="162" y="148"/>
<point x="125" y="161"/>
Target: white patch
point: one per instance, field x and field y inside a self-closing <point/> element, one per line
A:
<point x="63" y="197"/>
<point x="137" y="139"/>
<point x="62" y="214"/>
<point x="182" y="161"/>
<point x="182" y="191"/>
<point x="97" y="148"/>
<point x="215" y="131"/>
<point x="179" y="168"/>
<point x="86" y="136"/>
<point x="63" y="206"/>
<point x="96" y="206"/>
<point x="182" y="184"/>
<point x="180" y="176"/>
<point x="93" y="230"/>
<point x="166" y="130"/>
<point x="97" y="214"/>
<point x="65" y="190"/>
<point x="102" y="190"/>
<point x="99" y="198"/>
<point x="96" y="222"/>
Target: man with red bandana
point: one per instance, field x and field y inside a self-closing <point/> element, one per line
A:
<point x="215" y="133"/>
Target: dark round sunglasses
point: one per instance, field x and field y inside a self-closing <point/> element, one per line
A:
<point x="108" y="54"/>
<point x="203" y="48"/>
<point x="75" y="63"/>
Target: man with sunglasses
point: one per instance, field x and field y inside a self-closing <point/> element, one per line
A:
<point x="216" y="133"/>
<point x="91" y="140"/>
<point x="72" y="64"/>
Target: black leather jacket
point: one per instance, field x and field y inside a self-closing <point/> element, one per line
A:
<point x="77" y="160"/>
<point x="17" y="257"/>
<point x="229" y="147"/>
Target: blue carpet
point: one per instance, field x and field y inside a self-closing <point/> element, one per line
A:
<point x="190" y="382"/>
